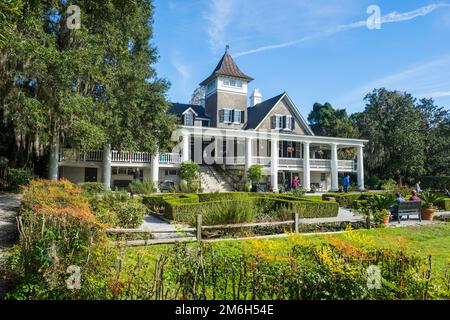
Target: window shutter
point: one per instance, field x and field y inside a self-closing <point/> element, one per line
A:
<point x="221" y="116"/>
<point x="284" y="122"/>
<point x="292" y="123"/>
<point x="233" y="115"/>
<point x="182" y="119"/>
<point x="242" y="116"/>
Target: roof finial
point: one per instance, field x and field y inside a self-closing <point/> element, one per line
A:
<point x="227" y="47"/>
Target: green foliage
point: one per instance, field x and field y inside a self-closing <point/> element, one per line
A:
<point x="92" y="188"/>
<point x="142" y="187"/>
<point x="91" y="86"/>
<point x="390" y="122"/>
<point x="247" y="187"/>
<point x="444" y="204"/>
<point x="15" y="178"/>
<point x="373" y="182"/>
<point x="435" y="182"/>
<point x="298" y="192"/>
<point x="388" y="185"/>
<point x="118" y="209"/>
<point x="381" y="202"/>
<point x="188" y="170"/>
<point x="254" y="173"/>
<point x="430" y="199"/>
<point x="57" y="229"/>
<point x="234" y="207"/>
<point x="184" y="187"/>
<point x="129" y="213"/>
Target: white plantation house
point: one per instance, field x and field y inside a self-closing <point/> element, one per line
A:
<point x="230" y="131"/>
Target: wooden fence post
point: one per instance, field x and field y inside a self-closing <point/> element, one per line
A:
<point x="199" y="227"/>
<point x="296" y="222"/>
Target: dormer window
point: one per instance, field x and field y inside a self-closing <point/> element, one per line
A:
<point x="188" y="119"/>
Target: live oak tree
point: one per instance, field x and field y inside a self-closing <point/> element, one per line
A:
<point x="326" y="121"/>
<point x="84" y="87"/>
<point x="391" y="122"/>
<point x="435" y="129"/>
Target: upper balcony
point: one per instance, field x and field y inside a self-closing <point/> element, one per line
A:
<point x="123" y="158"/>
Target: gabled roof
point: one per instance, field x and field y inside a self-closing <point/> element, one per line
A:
<point x="258" y="113"/>
<point x="179" y="108"/>
<point x="226" y="67"/>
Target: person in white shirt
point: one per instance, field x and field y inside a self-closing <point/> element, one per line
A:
<point x="418" y="189"/>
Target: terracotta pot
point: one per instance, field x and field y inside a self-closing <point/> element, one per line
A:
<point x="386" y="219"/>
<point x="428" y="214"/>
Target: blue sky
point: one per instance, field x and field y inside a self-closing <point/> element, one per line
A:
<point x="316" y="50"/>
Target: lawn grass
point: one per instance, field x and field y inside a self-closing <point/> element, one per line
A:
<point x="422" y="240"/>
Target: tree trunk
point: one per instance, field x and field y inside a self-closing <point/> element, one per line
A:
<point x="54" y="154"/>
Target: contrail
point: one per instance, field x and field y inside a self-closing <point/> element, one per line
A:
<point x="389" y="18"/>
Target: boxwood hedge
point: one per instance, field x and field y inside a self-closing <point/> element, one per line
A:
<point x="237" y="207"/>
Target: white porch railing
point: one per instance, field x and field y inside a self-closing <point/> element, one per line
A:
<point x="132" y="157"/>
<point x="320" y="163"/>
<point x="346" y="165"/>
<point x="234" y="160"/>
<point x="74" y="155"/>
<point x="264" y="161"/>
<point x="169" y="158"/>
<point x="290" y="162"/>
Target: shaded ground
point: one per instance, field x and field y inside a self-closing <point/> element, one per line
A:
<point x="9" y="204"/>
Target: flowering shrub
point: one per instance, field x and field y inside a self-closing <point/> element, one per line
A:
<point x="57" y="229"/>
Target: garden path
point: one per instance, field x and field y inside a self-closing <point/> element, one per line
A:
<point x="9" y="204"/>
<point x="344" y="215"/>
<point x="153" y="222"/>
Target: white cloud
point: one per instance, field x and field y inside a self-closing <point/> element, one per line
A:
<point x="218" y="17"/>
<point x="182" y="69"/>
<point x="389" y="18"/>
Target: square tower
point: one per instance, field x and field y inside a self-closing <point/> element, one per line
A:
<point x="226" y="94"/>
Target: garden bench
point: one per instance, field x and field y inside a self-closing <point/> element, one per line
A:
<point x="407" y="208"/>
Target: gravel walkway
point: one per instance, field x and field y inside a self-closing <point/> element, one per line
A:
<point x="155" y="223"/>
<point x="9" y="204"/>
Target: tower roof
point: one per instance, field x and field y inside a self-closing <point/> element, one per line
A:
<point x="226" y="67"/>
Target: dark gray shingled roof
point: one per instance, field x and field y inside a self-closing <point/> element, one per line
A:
<point x="226" y="67"/>
<point x="179" y="108"/>
<point x="257" y="113"/>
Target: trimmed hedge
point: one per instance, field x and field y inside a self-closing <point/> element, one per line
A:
<point x="444" y="204"/>
<point x="348" y="199"/>
<point x="216" y="196"/>
<point x="236" y="208"/>
<point x="156" y="201"/>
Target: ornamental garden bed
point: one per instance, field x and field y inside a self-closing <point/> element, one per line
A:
<point x="237" y="207"/>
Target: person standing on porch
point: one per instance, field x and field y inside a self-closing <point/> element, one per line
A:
<point x="295" y="183"/>
<point x="346" y="183"/>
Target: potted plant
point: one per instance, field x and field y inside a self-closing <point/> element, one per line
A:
<point x="429" y="200"/>
<point x="381" y="205"/>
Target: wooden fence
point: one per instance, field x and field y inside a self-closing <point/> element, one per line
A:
<point x="198" y="231"/>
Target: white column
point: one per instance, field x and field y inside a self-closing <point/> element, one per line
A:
<point x="274" y="164"/>
<point x="306" y="169"/>
<point x="334" y="168"/>
<point x="106" y="169"/>
<point x="185" y="148"/>
<point x="155" y="169"/>
<point x="360" y="168"/>
<point x="248" y="154"/>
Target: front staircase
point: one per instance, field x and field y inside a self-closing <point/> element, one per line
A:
<point x="212" y="180"/>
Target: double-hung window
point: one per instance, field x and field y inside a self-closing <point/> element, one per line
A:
<point x="279" y="122"/>
<point x="188" y="119"/>
<point x="227" y="115"/>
